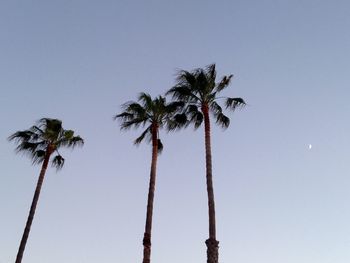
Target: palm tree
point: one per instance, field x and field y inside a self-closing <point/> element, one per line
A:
<point x="153" y="114"/>
<point x="199" y="91"/>
<point x="39" y="143"/>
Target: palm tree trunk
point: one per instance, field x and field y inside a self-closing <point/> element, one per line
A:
<point x="152" y="182"/>
<point x="33" y="206"/>
<point x="212" y="243"/>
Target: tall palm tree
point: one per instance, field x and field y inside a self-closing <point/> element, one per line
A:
<point x="39" y="143"/>
<point x="153" y="114"/>
<point x="199" y="90"/>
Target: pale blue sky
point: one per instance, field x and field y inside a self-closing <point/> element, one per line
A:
<point x="277" y="201"/>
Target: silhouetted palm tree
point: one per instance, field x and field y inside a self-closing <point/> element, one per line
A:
<point x="153" y="114"/>
<point x="199" y="91"/>
<point x="39" y="143"/>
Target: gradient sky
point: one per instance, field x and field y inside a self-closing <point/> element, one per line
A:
<point x="276" y="200"/>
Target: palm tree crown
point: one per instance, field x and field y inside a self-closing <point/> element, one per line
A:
<point x="153" y="114"/>
<point x="200" y="91"/>
<point x="45" y="137"/>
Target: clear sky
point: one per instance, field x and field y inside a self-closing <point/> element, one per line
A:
<point x="277" y="200"/>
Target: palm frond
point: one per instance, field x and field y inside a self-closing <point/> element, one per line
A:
<point x="233" y="103"/>
<point x="50" y="124"/>
<point x="223" y="120"/>
<point x="183" y="93"/>
<point x="133" y="116"/>
<point x="21" y="136"/>
<point x="52" y="128"/>
<point x="215" y="108"/>
<point x="58" y="162"/>
<point x="125" y="116"/>
<point x="192" y="108"/>
<point x="194" y="116"/>
<point x="211" y="97"/>
<point x="27" y="147"/>
<point x="68" y="134"/>
<point x="70" y="139"/>
<point x="211" y="72"/>
<point x="137" y="122"/>
<point x="197" y="120"/>
<point x="146" y="100"/>
<point x="175" y="105"/>
<point x="186" y="78"/>
<point x="76" y="141"/>
<point x="203" y="87"/>
<point x="145" y="133"/>
<point x="210" y="77"/>
<point x="225" y="81"/>
<point x="38" y="157"/>
<point x="36" y="130"/>
<point x="160" y="102"/>
<point x="178" y="121"/>
<point x="135" y="108"/>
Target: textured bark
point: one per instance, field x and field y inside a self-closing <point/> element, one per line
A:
<point x="152" y="183"/>
<point x="212" y="243"/>
<point x="33" y="206"/>
<point x="212" y="250"/>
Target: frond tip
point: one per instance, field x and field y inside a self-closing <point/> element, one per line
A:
<point x="58" y="162"/>
<point x="225" y="81"/>
<point x="145" y="133"/>
<point x="177" y="122"/>
<point x="195" y="116"/>
<point x="76" y="141"/>
<point x="223" y="120"/>
<point x="38" y="156"/>
<point x="233" y="103"/>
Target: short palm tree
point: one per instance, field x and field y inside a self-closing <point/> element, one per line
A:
<point x="153" y="114"/>
<point x="199" y="90"/>
<point x="39" y="143"/>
